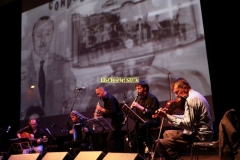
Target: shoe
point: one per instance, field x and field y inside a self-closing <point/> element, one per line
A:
<point x="146" y="149"/>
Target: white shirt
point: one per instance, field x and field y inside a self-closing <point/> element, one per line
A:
<point x="196" y="117"/>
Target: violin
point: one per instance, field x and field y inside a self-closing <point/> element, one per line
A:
<point x="171" y="107"/>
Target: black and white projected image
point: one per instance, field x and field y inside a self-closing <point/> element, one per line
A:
<point x="83" y="41"/>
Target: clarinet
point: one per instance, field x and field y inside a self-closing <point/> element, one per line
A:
<point x="134" y="101"/>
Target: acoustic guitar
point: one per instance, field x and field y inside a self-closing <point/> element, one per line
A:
<point x="28" y="135"/>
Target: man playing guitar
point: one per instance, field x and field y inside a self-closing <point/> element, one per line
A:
<point x="35" y="134"/>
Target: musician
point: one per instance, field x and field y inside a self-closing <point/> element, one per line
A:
<point x="112" y="110"/>
<point x="145" y="105"/>
<point x="35" y="134"/>
<point x="196" y="122"/>
<point x="83" y="137"/>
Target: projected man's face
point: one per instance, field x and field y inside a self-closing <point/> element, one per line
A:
<point x="42" y="37"/>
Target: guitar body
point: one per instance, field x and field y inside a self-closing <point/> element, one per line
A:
<point x="28" y="135"/>
<point x="25" y="135"/>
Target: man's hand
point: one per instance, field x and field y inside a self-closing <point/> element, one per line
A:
<point x="135" y="104"/>
<point x="71" y="131"/>
<point x="85" y="129"/>
<point x="99" y="108"/>
<point x="39" y="140"/>
<point x="162" y="112"/>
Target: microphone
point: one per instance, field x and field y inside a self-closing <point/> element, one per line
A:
<point x="81" y="88"/>
<point x="125" y="120"/>
<point x="50" y="134"/>
<point x="47" y="130"/>
<point x="78" y="124"/>
<point x="124" y="96"/>
<point x="8" y="129"/>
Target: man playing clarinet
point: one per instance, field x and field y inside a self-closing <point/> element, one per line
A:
<point x="145" y="106"/>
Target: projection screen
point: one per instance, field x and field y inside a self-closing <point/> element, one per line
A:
<point x="112" y="43"/>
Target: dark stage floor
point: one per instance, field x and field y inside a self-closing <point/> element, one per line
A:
<point x="202" y="156"/>
<point x="205" y="153"/>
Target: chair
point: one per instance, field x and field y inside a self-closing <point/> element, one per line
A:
<point x="89" y="147"/>
<point x="229" y="120"/>
<point x="155" y="133"/>
<point x="229" y="136"/>
<point x="203" y="146"/>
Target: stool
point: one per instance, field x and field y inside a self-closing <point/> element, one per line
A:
<point x="201" y="145"/>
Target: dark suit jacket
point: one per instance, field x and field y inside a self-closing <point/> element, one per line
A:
<point x="229" y="133"/>
<point x="60" y="82"/>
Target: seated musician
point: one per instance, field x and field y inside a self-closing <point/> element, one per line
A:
<point x="145" y="106"/>
<point x="35" y="134"/>
<point x="196" y="123"/>
<point x="84" y="133"/>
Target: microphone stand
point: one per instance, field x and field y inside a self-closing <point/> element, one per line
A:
<point x="126" y="122"/>
<point x="78" y="91"/>
<point x="126" y="118"/>
<point x="52" y="137"/>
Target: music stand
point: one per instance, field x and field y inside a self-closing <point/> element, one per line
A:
<point x="133" y="115"/>
<point x="19" y="144"/>
<point x="100" y="124"/>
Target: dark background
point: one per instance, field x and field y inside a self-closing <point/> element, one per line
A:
<point x="222" y="41"/>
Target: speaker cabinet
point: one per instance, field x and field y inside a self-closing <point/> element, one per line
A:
<point x="123" y="156"/>
<point x="58" y="156"/>
<point x="32" y="156"/>
<point x="90" y="155"/>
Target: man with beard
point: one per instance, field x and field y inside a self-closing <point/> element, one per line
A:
<point x="139" y="137"/>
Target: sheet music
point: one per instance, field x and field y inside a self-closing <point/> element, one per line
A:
<point x="100" y="124"/>
<point x="131" y="113"/>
